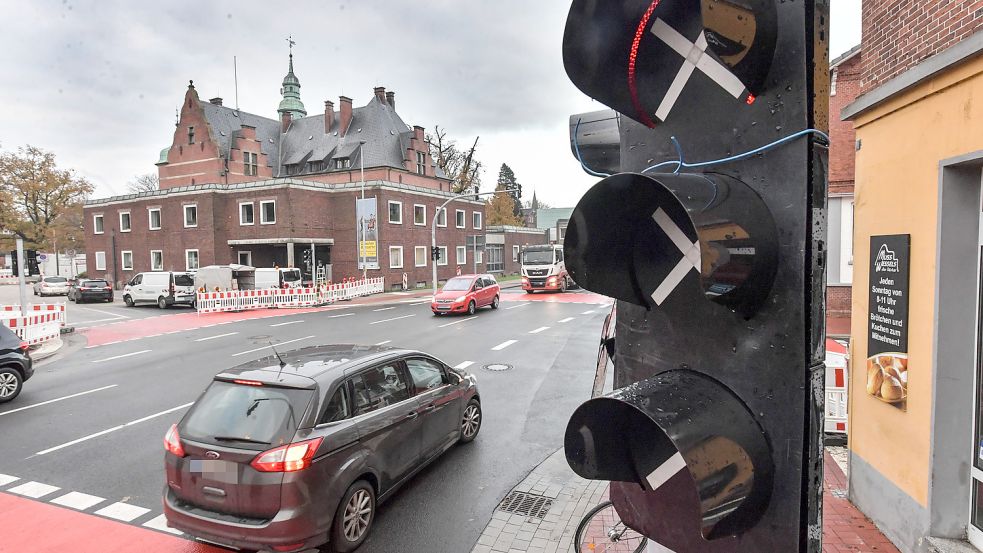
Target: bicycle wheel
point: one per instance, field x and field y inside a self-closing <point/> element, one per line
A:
<point x="601" y="531"/>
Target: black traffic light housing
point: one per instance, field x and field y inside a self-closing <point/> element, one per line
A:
<point x="435" y="253"/>
<point x="712" y="439"/>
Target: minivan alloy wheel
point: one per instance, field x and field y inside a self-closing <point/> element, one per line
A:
<point x="358" y="514"/>
<point x="471" y="421"/>
<point x="9" y="384"/>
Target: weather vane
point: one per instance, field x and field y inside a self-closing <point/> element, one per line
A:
<point x="290" y="43"/>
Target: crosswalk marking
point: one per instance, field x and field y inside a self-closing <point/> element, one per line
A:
<point x="160" y="523"/>
<point x="122" y="511"/>
<point x="7" y="479"/>
<point x="77" y="500"/>
<point x="34" y="490"/>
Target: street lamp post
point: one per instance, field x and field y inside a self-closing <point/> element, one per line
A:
<point x="433" y="227"/>
<point x="361" y="220"/>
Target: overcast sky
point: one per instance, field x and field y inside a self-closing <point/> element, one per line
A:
<point x="98" y="82"/>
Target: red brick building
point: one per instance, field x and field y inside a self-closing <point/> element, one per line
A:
<point x="242" y="188"/>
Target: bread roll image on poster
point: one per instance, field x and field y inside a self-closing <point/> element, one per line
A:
<point x="891" y="389"/>
<point x="875" y="377"/>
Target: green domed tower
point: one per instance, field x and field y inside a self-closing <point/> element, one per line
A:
<point x="291" y="94"/>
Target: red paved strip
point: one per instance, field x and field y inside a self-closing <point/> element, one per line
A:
<point x="34" y="527"/>
<point x="553" y="297"/>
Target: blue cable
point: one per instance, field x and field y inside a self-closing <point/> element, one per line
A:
<point x="576" y="147"/>
<point x="680" y="163"/>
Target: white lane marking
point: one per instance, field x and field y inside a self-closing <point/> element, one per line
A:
<point x="393" y="319"/>
<point x="57" y="399"/>
<point x="464" y="364"/>
<point x="131" y="354"/>
<point x="160" y="523"/>
<point x="518" y="306"/>
<point x="113" y="429"/>
<point x="666" y="470"/>
<point x="34" y="489"/>
<point x="216" y="336"/>
<point x="274" y="345"/>
<point x="77" y="500"/>
<point x="110" y="313"/>
<point x="401" y="293"/>
<point x="417" y="300"/>
<point x="567" y="320"/>
<point x="538" y="330"/>
<point x="287" y="323"/>
<point x="342" y="315"/>
<point x="122" y="511"/>
<point x="384" y="309"/>
<point x="587" y="312"/>
<point x="384" y="342"/>
<point x="458" y="321"/>
<point x="504" y="345"/>
<point x="89" y="324"/>
<point x="421" y="302"/>
<point x="7" y="479"/>
<point x="690" y="260"/>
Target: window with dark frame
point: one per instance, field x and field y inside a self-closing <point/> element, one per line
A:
<point x="316" y="166"/>
<point x="191" y="216"/>
<point x="421" y="163"/>
<point x="396" y="213"/>
<point x="250" y="161"/>
<point x="191" y="134"/>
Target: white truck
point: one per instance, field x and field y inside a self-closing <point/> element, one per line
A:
<point x="543" y="269"/>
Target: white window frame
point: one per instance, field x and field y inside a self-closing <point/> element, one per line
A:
<point x="462" y="216"/>
<point x="390" y="213"/>
<point x="242" y="222"/>
<point x="262" y="212"/>
<point x="442" y="212"/>
<point x="426" y="255"/>
<point x="156" y="267"/>
<point x="122" y="260"/>
<point x="187" y="265"/>
<point x="101" y="218"/>
<point x="479" y="257"/>
<point x="249" y="257"/>
<point x="476" y="220"/>
<point x="100" y="261"/>
<point x="150" y="218"/>
<point x="515" y="253"/>
<point x="462" y="259"/>
<point x="129" y="221"/>
<point x="184" y="210"/>
<point x="391" y="258"/>
<point x="424" y="223"/>
<point x="443" y="256"/>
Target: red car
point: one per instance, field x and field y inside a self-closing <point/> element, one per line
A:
<point x="465" y="294"/>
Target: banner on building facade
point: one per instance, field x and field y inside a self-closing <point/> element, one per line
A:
<point x="367" y="232"/>
<point x="887" y="326"/>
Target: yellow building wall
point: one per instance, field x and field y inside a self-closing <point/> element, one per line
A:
<point x="897" y="180"/>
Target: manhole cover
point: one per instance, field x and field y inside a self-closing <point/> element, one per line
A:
<point x="498" y="367"/>
<point x="527" y="504"/>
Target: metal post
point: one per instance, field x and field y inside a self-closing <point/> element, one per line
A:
<point x="313" y="265"/>
<point x="21" y="267"/>
<point x="474" y="256"/>
<point x="361" y="246"/>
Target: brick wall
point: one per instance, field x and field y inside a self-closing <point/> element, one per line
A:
<point x="842" y="149"/>
<point x="898" y="34"/>
<point x="838" y="301"/>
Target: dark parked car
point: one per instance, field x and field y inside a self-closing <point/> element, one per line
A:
<point x="289" y="455"/>
<point x="15" y="364"/>
<point x="90" y="290"/>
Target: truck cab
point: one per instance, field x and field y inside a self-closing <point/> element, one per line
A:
<point x="543" y="269"/>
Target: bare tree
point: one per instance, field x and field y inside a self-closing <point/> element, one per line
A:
<point x="461" y="167"/>
<point x="148" y="182"/>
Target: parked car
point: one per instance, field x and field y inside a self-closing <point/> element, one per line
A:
<point x="160" y="287"/>
<point x="277" y="277"/>
<point x="51" y="286"/>
<point x="90" y="290"/>
<point x="465" y="294"/>
<point x="295" y="450"/>
<point x="16" y="366"/>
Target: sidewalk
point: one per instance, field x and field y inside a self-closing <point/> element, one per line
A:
<point x="568" y="497"/>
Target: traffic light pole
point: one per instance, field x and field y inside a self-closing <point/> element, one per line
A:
<point x="22" y="285"/>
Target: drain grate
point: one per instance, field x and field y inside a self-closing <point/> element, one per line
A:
<point x="498" y="367"/>
<point x="527" y="504"/>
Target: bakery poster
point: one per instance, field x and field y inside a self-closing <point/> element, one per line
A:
<point x="887" y="330"/>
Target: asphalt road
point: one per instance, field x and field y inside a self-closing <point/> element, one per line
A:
<point x="90" y="314"/>
<point x="107" y="442"/>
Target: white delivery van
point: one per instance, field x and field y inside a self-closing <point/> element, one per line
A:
<point x="277" y="278"/>
<point x="220" y="278"/>
<point x="161" y="287"/>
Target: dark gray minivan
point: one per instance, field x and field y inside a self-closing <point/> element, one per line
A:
<point x="287" y="455"/>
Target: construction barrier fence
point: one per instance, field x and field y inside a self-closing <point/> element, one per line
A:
<point x="836" y="388"/>
<point x="242" y="300"/>
<point x="41" y="323"/>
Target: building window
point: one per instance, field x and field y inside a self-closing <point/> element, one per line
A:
<point x="191" y="135"/>
<point x="97" y="227"/>
<point x="515" y="254"/>
<point x="443" y="255"/>
<point x="419" y="214"/>
<point x="246" y="258"/>
<point x="154" y="215"/>
<point x="246" y="215"/>
<point x="100" y="261"/>
<point x="421" y="163"/>
<point x="496" y="262"/>
<point x="267" y="212"/>
<point x="126" y="258"/>
<point x="478" y="257"/>
<point x="462" y="255"/>
<point x="396" y="212"/>
<point x="342" y="163"/>
<point x="476" y="219"/>
<point x="316" y="166"/>
<point x="191" y="260"/>
<point x="124" y="221"/>
<point x="395" y="257"/>
<point x="190" y="216"/>
<point x="156" y="260"/>
<point x="249" y="162"/>
<point x="420" y="254"/>
<point x="442" y="217"/>
<point x="459" y="218"/>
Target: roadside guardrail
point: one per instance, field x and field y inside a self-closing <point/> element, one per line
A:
<point x="242" y="300"/>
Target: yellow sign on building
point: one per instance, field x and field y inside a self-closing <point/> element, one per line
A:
<point x="367" y="249"/>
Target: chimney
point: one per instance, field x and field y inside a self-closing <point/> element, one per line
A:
<point x="284" y="121"/>
<point x="346" y="115"/>
<point x="391" y="99"/>
<point x="216" y="101"/>
<point x="380" y="93"/>
<point x="328" y="116"/>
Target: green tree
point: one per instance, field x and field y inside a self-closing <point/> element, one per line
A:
<point x="506" y="179"/>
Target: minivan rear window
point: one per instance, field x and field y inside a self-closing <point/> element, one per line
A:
<point x="291" y="276"/>
<point x="184" y="280"/>
<point x="55" y="279"/>
<point x="90" y="283"/>
<point x="262" y="416"/>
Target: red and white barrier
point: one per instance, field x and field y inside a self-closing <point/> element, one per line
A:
<point x="7" y="277"/>
<point x="836" y="388"/>
<point x="42" y="322"/>
<point x="241" y="300"/>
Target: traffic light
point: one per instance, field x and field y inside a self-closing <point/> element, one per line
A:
<point x="435" y="253"/>
<point x="31" y="257"/>
<point x="14" y="264"/>
<point x="708" y="229"/>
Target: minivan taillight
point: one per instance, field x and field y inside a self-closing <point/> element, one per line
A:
<point x="287" y="458"/>
<point x="172" y="442"/>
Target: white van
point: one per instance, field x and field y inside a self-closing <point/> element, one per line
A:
<point x="161" y="287"/>
<point x="277" y="278"/>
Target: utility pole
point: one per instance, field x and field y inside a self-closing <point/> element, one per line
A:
<point x="361" y="220"/>
<point x="22" y="285"/>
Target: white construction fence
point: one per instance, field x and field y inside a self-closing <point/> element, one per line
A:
<point x="7" y="277"/>
<point x="242" y="300"/>
<point x="41" y="323"/>
<point x="836" y="387"/>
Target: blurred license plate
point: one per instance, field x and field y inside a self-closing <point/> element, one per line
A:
<point x="223" y="471"/>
